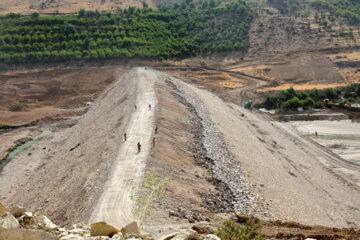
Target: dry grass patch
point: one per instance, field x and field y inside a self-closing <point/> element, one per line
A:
<point x="301" y="87"/>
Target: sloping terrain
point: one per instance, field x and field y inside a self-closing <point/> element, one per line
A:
<point x="291" y="177"/>
<point x="114" y="205"/>
<point x="77" y="161"/>
<point x="67" y="6"/>
<point x="223" y="159"/>
<point x="52" y="93"/>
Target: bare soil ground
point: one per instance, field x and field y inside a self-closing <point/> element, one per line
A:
<point x="51" y="94"/>
<point x="67" y="6"/>
<point x="265" y="151"/>
<point x="172" y="156"/>
<point x="65" y="180"/>
<point x="69" y="175"/>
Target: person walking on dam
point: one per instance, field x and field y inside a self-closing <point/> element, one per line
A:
<point x="139" y="147"/>
<point x="125" y="137"/>
<point x="153" y="142"/>
<point x="149" y="106"/>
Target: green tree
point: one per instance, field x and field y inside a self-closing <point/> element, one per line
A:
<point x="147" y="194"/>
<point x="232" y="230"/>
<point x="35" y="14"/>
<point x="292" y="104"/>
<point x="81" y="12"/>
<point x="308" y="103"/>
<point x="145" y="5"/>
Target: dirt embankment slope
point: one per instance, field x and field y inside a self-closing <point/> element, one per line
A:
<point x="174" y="155"/>
<point x="52" y="94"/>
<point x="291" y="177"/>
<point x="295" y="180"/>
<point x="67" y="181"/>
<point x="245" y="163"/>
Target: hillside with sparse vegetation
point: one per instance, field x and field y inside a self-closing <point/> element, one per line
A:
<point x="346" y="11"/>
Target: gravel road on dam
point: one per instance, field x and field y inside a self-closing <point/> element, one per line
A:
<point x="114" y="205"/>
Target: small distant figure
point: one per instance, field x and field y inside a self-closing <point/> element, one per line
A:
<point x="139" y="147"/>
<point x="316" y="133"/>
<point x="135" y="107"/>
<point x="156" y="130"/>
<point x="125" y="135"/>
<point x="153" y="142"/>
<point x="149" y="106"/>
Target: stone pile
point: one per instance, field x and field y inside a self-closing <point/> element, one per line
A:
<point x="211" y="151"/>
<point x="20" y="224"/>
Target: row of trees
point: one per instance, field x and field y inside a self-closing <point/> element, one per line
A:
<point x="177" y="30"/>
<point x="291" y="99"/>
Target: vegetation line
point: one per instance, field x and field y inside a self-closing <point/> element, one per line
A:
<point x="173" y="31"/>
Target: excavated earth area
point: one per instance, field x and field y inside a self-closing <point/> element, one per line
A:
<point x="221" y="157"/>
<point x="52" y="94"/>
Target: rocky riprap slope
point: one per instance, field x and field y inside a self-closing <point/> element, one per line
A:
<point x="211" y="152"/>
<point x="19" y="224"/>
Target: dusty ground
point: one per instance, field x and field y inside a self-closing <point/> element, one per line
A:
<point x="296" y="191"/>
<point x="69" y="177"/>
<point x="295" y="179"/>
<point x="67" y="6"/>
<point x="172" y="156"/>
<point x="51" y="94"/>
<point x="341" y="137"/>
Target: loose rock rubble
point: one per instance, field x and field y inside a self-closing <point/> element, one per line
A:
<point x="20" y="224"/>
<point x="210" y="151"/>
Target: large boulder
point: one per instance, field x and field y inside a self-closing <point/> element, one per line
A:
<point x="8" y="221"/>
<point x="82" y="225"/>
<point x="58" y="231"/>
<point x="44" y="223"/>
<point x="17" y="211"/>
<point x="211" y="237"/>
<point x="26" y="219"/>
<point x="118" y="236"/>
<point x="186" y="234"/>
<point x="146" y="236"/>
<point x="98" y="238"/>
<point x="3" y="210"/>
<point x="24" y="234"/>
<point x="169" y="236"/>
<point x="130" y="228"/>
<point x="102" y="229"/>
<point x="79" y="231"/>
<point x="30" y="221"/>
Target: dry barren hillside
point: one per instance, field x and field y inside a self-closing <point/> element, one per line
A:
<point x="64" y="6"/>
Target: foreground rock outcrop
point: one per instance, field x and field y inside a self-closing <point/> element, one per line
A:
<point x="20" y="224"/>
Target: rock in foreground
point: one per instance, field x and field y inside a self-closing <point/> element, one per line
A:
<point x="19" y="224"/>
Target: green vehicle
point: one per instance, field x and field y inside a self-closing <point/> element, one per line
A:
<point x="248" y="104"/>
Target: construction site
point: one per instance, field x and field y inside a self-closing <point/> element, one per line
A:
<point x="65" y="155"/>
